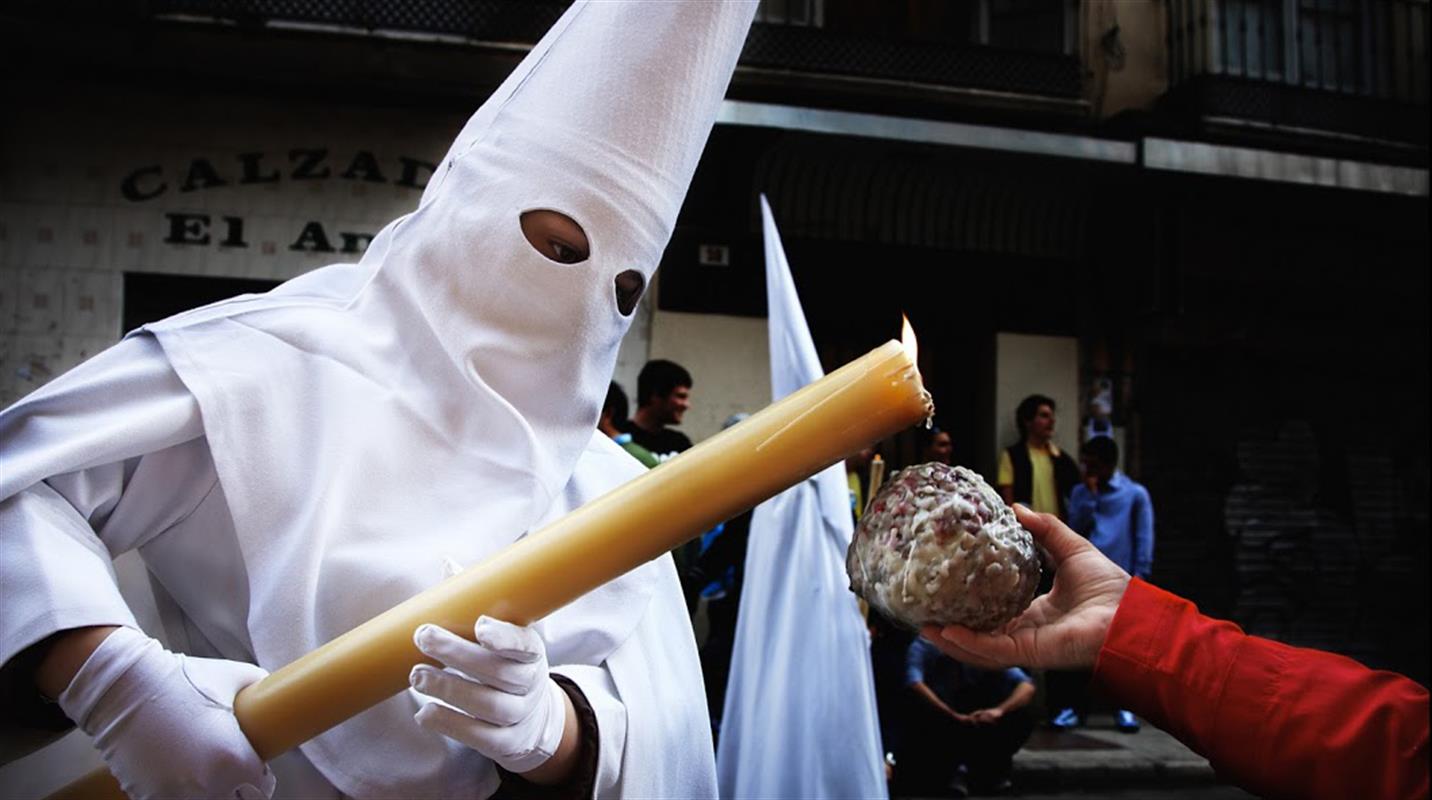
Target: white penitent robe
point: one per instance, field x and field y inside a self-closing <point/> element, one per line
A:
<point x="800" y="717"/>
<point x="114" y="457"/>
<point x="339" y="438"/>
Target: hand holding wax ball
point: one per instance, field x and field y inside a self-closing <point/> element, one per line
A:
<point x="938" y="546"/>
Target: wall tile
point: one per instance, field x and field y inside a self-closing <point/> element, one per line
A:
<point x="92" y="300"/>
<point x="40" y="304"/>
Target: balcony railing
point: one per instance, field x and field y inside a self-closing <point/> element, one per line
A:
<point x="1023" y="48"/>
<point x="521" y="21"/>
<point x="1349" y="70"/>
<point x="1371" y="48"/>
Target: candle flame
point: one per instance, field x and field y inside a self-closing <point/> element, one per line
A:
<point x="907" y="339"/>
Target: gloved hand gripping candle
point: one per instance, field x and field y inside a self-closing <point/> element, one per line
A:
<point x="868" y="399"/>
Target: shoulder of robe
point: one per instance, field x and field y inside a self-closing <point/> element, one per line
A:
<point x="608" y="457"/>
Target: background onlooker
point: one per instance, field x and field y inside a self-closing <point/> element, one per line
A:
<point x="1115" y="513"/>
<point x="712" y="585"/>
<point x="614" y="415"/>
<point x="710" y="568"/>
<point x="936" y="445"/>
<point x="1034" y="471"/>
<point x="1113" y="510"/>
<point x="965" y="723"/>
<point x="1037" y="474"/>
<point x="663" y="391"/>
<point x="889" y="644"/>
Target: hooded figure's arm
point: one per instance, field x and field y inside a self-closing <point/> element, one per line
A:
<point x="72" y="449"/>
<point x="100" y="462"/>
<point x="57" y="578"/>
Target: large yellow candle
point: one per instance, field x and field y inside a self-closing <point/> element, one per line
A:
<point x="867" y="399"/>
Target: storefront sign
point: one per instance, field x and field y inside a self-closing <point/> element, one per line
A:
<point x="151" y="182"/>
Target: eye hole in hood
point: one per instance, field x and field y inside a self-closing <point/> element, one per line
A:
<point x="555" y="235"/>
<point x="629" y="288"/>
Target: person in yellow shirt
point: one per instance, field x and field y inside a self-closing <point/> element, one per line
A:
<point x="1034" y="471"/>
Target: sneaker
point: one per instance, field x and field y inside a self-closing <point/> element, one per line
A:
<point x="1067" y="719"/>
<point x="1125" y="721"/>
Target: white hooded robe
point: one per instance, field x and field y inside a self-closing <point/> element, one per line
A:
<point x="291" y="464"/>
<point x="800" y="717"/>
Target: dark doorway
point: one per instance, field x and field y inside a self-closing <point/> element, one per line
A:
<point x="151" y="296"/>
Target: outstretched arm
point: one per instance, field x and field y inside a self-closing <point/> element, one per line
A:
<point x="1278" y="720"/>
<point x="1281" y="721"/>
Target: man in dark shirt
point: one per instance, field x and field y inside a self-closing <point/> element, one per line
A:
<point x="663" y="397"/>
<point x="962" y="716"/>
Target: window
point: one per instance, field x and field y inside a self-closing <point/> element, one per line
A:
<point x="1251" y="38"/>
<point x="1330" y="43"/>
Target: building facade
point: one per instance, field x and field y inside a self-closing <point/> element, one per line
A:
<point x="1210" y="212"/>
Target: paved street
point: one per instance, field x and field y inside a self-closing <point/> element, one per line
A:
<point x="1098" y="761"/>
<point x="1182" y="793"/>
<point x="1097" y="757"/>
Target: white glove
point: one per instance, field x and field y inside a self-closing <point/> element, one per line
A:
<point x="496" y="695"/>
<point x="164" y="722"/>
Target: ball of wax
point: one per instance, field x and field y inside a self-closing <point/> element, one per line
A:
<point x="938" y="546"/>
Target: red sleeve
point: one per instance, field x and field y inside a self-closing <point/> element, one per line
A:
<point x="1279" y="721"/>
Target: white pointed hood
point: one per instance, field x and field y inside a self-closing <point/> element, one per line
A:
<point x="797" y="611"/>
<point x="794" y="362"/>
<point x="604" y="121"/>
<point x="368" y="421"/>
